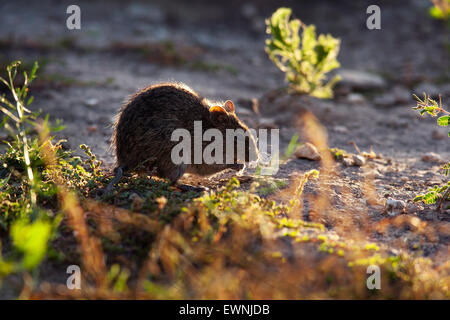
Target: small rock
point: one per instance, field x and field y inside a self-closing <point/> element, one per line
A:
<point x="434" y="182"/>
<point x="307" y="151"/>
<point x="394" y="207"/>
<point x="437" y="135"/>
<point x="356" y="98"/>
<point x="396" y="124"/>
<point x="393" y="252"/>
<point x="385" y="100"/>
<point x="340" y="129"/>
<point x="432" y="157"/>
<point x="398" y="95"/>
<point x="348" y="162"/>
<point x="361" y="80"/>
<point x="411" y="208"/>
<point x="358" y="160"/>
<point x="378" y="175"/>
<point x="91" y="102"/>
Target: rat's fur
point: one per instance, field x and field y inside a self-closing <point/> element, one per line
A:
<point x="144" y="126"/>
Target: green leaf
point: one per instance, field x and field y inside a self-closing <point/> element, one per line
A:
<point x="443" y="121"/>
<point x="31" y="239"/>
<point x="305" y="59"/>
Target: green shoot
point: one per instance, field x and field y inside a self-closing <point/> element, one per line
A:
<point x="306" y="59"/>
<point x="433" y="108"/>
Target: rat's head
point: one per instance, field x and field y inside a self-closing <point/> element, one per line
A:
<point x="239" y="144"/>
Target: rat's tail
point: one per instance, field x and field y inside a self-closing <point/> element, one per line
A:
<point x="118" y="174"/>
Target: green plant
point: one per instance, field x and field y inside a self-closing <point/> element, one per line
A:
<point x="20" y="184"/>
<point x="440" y="9"/>
<point x="31" y="239"/>
<point x="21" y="116"/>
<point x="31" y="170"/>
<point x="433" y="108"/>
<point x="305" y="60"/>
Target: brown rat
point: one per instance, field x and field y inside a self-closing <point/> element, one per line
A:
<point x="144" y="127"/>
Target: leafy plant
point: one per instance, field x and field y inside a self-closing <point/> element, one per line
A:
<point x="31" y="240"/>
<point x="29" y="182"/>
<point x="20" y="115"/>
<point x="433" y="108"/>
<point x="20" y="184"/>
<point x="440" y="9"/>
<point x="306" y="59"/>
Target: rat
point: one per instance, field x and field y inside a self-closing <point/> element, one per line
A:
<point x="144" y="126"/>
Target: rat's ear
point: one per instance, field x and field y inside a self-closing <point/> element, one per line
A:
<point x="229" y="106"/>
<point x="217" y="113"/>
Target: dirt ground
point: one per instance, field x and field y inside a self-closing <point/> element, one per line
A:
<point x="218" y="50"/>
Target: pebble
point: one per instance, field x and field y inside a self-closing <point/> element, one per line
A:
<point x="437" y="135"/>
<point x="394" y="207"/>
<point x="411" y="208"/>
<point x="361" y="80"/>
<point x="340" y="129"/>
<point x="356" y="98"/>
<point x="432" y="157"/>
<point x="348" y="162"/>
<point x="91" y="102"/>
<point x="308" y="151"/>
<point x="385" y="100"/>
<point x="358" y="160"/>
<point x="398" y="95"/>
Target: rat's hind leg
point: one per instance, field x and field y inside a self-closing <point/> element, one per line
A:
<point x="173" y="173"/>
